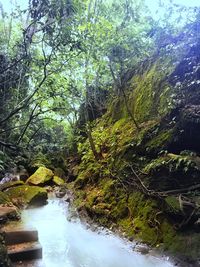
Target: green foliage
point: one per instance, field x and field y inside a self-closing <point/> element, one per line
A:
<point x="58" y="181"/>
<point x="27" y="195"/>
<point x="39" y="159"/>
<point x="173" y="163"/>
<point x="160" y="141"/>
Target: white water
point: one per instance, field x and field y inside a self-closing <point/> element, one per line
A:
<point x="71" y="244"/>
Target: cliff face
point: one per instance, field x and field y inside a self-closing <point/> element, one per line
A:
<point x="147" y="180"/>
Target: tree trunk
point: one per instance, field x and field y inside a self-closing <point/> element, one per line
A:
<point x="91" y="141"/>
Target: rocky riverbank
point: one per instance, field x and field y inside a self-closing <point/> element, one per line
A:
<point x="18" y="195"/>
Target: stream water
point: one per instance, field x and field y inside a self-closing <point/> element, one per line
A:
<point x="69" y="243"/>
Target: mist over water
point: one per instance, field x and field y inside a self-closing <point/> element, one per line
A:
<point x="71" y="244"/>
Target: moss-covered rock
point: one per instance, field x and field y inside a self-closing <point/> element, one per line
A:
<point x="4" y="199"/>
<point x="27" y="195"/>
<point x="41" y="176"/>
<point x="57" y="180"/>
<point x="5" y="186"/>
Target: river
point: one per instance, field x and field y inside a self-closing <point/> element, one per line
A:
<point x="70" y="243"/>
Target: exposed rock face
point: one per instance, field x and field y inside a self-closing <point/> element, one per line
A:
<point x="41" y="176"/>
<point x="26" y="195"/>
<point x="7" y="213"/>
<point x="9" y="177"/>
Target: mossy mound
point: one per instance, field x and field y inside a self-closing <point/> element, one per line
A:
<point x="133" y="213"/>
<point x="58" y="181"/>
<point x="27" y="195"/>
<point x="41" y="176"/>
<point x="5" y="186"/>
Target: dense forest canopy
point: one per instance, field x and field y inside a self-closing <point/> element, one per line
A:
<point x="62" y="61"/>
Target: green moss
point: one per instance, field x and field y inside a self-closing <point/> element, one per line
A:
<point x="173" y="204"/>
<point x="144" y="95"/>
<point x="41" y="176"/>
<point x="142" y="212"/>
<point x="120" y="209"/>
<point x="82" y="179"/>
<point x="117" y="127"/>
<point x="150" y="95"/>
<point x="165" y="100"/>
<point x="93" y="196"/>
<point x="150" y="99"/>
<point x="108" y="187"/>
<point x="146" y="100"/>
<point x="145" y="232"/>
<point x="89" y="171"/>
<point x="79" y="198"/>
<point x="27" y="195"/>
<point x="127" y="226"/>
<point x="184" y="245"/>
<point x="4" y="199"/>
<point x="101" y="209"/>
<point x="57" y="180"/>
<point x="10" y="184"/>
<point x="118" y="109"/>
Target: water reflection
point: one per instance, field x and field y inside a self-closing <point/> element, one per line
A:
<point x="70" y="244"/>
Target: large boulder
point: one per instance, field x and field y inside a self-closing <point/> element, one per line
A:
<point x="26" y="195"/>
<point x="41" y="176"/>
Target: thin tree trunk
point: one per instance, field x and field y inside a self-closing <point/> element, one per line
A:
<point x="119" y="86"/>
<point x="128" y="110"/>
<point x="91" y="141"/>
<point x="27" y="125"/>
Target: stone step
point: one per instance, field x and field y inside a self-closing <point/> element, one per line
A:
<point x="25" y="251"/>
<point x="17" y="236"/>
